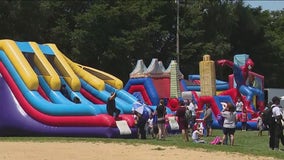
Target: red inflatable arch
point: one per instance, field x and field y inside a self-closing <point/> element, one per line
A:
<point x="142" y="90"/>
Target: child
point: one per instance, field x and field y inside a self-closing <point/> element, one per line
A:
<point x="244" y="119"/>
<point x="149" y="126"/>
<point x="260" y="124"/>
<point x="239" y="105"/>
<point x="196" y="136"/>
<point x="197" y="133"/>
<point x="152" y="126"/>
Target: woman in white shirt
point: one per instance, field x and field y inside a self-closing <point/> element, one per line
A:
<point x="229" y="126"/>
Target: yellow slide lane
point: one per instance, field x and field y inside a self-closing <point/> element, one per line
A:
<point x="20" y="63"/>
<point x="94" y="77"/>
<point x="69" y="76"/>
<point x="89" y="78"/>
<point x="46" y="69"/>
<point x="107" y="78"/>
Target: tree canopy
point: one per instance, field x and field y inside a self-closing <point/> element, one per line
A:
<point x="112" y="35"/>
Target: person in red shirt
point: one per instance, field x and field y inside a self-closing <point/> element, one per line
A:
<point x="244" y="119"/>
<point x="182" y="122"/>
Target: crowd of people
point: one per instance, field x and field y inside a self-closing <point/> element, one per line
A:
<point x="153" y="122"/>
<point x="157" y="122"/>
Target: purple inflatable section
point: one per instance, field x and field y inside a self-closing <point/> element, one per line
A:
<point x="14" y="121"/>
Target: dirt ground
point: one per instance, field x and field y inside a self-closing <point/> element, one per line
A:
<point x="106" y="151"/>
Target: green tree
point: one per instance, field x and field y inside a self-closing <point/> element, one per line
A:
<point x="113" y="36"/>
<point x="275" y="43"/>
<point x="21" y="20"/>
<point x="205" y="29"/>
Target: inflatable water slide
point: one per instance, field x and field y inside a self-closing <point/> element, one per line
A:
<point x="31" y="76"/>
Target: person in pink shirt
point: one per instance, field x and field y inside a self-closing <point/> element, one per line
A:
<point x="244" y="119"/>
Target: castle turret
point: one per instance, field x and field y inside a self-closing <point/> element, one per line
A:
<point x="139" y="70"/>
<point x="207" y="76"/>
<point x="174" y="88"/>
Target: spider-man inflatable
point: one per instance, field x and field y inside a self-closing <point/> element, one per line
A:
<point x="241" y="74"/>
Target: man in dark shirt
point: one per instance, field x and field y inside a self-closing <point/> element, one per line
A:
<point x="111" y="108"/>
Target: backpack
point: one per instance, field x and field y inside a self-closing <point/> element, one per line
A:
<point x="145" y="115"/>
<point x="216" y="140"/>
<point x="267" y="116"/>
<point x="188" y="115"/>
<point x="220" y="120"/>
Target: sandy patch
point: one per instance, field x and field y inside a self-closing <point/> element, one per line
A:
<point x="106" y="151"/>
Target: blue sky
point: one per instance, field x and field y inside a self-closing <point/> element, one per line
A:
<point x="266" y="5"/>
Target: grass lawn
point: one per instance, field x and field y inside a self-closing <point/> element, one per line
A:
<point x="245" y="142"/>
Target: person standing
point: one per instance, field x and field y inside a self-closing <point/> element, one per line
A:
<point x="276" y="130"/>
<point x="149" y="126"/>
<point x="260" y="124"/>
<point x="239" y="105"/>
<point x="192" y="107"/>
<point x="182" y="122"/>
<point x="208" y="119"/>
<point x="111" y="106"/>
<point x="244" y="119"/>
<point x="161" y="120"/>
<point x="229" y="126"/>
<point x="141" y="123"/>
